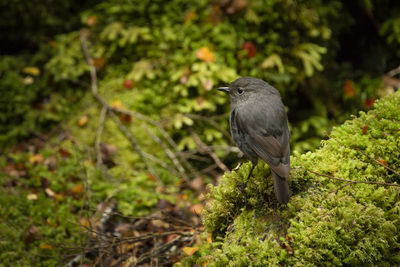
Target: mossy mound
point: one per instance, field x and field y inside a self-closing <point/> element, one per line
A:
<point x="327" y="221"/>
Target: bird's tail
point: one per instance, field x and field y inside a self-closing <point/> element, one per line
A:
<point x="281" y="188"/>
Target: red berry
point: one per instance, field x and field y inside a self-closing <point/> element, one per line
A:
<point x="128" y="84"/>
<point x="250" y="48"/>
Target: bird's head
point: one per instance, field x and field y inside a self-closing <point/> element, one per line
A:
<point x="246" y="88"/>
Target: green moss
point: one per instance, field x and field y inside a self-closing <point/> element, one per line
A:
<point x="326" y="222"/>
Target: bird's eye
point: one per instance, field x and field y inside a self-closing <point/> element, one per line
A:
<point x="240" y="91"/>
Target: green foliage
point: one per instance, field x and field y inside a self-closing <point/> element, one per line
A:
<point x="327" y="222"/>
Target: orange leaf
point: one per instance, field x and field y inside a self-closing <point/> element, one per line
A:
<point x="83" y="121"/>
<point x="383" y="162"/>
<point x="46" y="246"/>
<point x="91" y="21"/>
<point x="125" y="118"/>
<point x="191" y="15"/>
<point x="117" y="104"/>
<point x="98" y="62"/>
<point x="36" y="159"/>
<point x="364" y="129"/>
<point x="349" y="89"/>
<point x="205" y="54"/>
<point x="190" y="250"/>
<point x="209" y="239"/>
<point x="197" y="208"/>
<point x="84" y="222"/>
<point x="77" y="189"/>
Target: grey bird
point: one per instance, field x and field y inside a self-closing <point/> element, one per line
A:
<point x="259" y="127"/>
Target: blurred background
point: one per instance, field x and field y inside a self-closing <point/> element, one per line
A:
<point x="156" y="130"/>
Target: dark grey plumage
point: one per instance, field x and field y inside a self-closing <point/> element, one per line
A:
<point x="259" y="127"/>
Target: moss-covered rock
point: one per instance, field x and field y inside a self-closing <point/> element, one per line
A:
<point x="327" y="221"/>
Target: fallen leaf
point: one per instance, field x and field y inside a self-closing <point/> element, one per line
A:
<point x="33" y="234"/>
<point x="209" y="239"/>
<point x="31" y="70"/>
<point x="46" y="246"/>
<point x="83" y="121"/>
<point x="159" y="224"/>
<point x="84" y="222"/>
<point x="190" y="250"/>
<point x="117" y="104"/>
<point x="364" y="129"/>
<point x="125" y="118"/>
<point x="64" y="153"/>
<point x="78" y="189"/>
<point x="36" y="159"/>
<point x="383" y="162"/>
<point x="32" y="197"/>
<point x="151" y="177"/>
<point x="197" y="183"/>
<point x="197" y="208"/>
<point x="50" y="192"/>
<point x="98" y="62"/>
<point x="170" y="238"/>
<point x="205" y="54"/>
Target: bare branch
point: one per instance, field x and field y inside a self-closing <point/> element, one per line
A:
<point x="103" y="113"/>
<point x="205" y="149"/>
<point x="168" y="152"/>
<point x="352" y="181"/>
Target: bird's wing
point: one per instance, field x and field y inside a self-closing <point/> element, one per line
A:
<point x="267" y="134"/>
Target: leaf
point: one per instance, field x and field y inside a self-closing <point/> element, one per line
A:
<point x="78" y="189"/>
<point x="383" y="162"/>
<point x="117" y="104"/>
<point x="46" y="246"/>
<point x="50" y="192"/>
<point x="128" y="84"/>
<point x="191" y="15"/>
<point x="274" y="60"/>
<point x="364" y="129"/>
<point x="83" y="121"/>
<point x="205" y="54"/>
<point x="190" y="250"/>
<point x="32" y="197"/>
<point x="197" y="209"/>
<point x="36" y="159"/>
<point x="125" y="118"/>
<point x="91" y="20"/>
<point x="208" y="84"/>
<point x="349" y="89"/>
<point x="369" y="102"/>
<point x="98" y="62"/>
<point x="31" y="70"/>
<point x="250" y="48"/>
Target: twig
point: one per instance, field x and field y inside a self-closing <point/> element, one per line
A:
<point x="394" y="71"/>
<point x="94" y="87"/>
<point x="168" y="152"/>
<point x="376" y="161"/>
<point x="210" y="121"/>
<point x="134" y="143"/>
<point x="160" y="162"/>
<point x="163" y="132"/>
<point x="103" y="114"/>
<point x="352" y="181"/>
<point x="205" y="149"/>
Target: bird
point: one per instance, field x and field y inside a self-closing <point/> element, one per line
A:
<point x="259" y="127"/>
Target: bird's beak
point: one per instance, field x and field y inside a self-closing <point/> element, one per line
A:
<point x="224" y="89"/>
